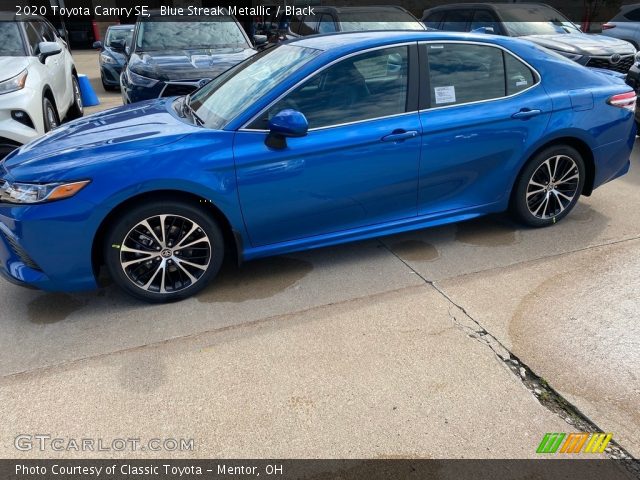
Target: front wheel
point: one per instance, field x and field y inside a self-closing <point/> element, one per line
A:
<point x="50" y="115"/>
<point x="76" y="110"/>
<point x="549" y="186"/>
<point x="164" y="251"/>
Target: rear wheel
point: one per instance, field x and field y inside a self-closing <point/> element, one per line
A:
<point x="50" y="115"/>
<point x="76" y="110"/>
<point x="549" y="186"/>
<point x="164" y="251"/>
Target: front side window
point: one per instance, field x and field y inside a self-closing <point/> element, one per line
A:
<point x="10" y="40"/>
<point x="456" y="20"/>
<point x="231" y="93"/>
<point x="464" y="73"/>
<point x="363" y="87"/>
<point x="33" y="37"/>
<point x="161" y="35"/>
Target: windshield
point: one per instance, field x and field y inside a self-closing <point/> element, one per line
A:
<point x="118" y="35"/>
<point x="383" y="20"/>
<point x="521" y="20"/>
<point x="170" y="35"/>
<point x="229" y="94"/>
<point x="10" y="41"/>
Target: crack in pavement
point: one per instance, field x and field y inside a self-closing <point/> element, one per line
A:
<point x="546" y="395"/>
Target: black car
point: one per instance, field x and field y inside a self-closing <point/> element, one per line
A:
<point x="633" y="80"/>
<point x="538" y="23"/>
<point x="328" y="19"/>
<point x="112" y="54"/>
<point x="173" y="56"/>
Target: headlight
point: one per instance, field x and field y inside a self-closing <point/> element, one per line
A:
<point x="38" y="192"/>
<point x="14" y="83"/>
<point x="139" y="80"/>
<point x="106" y="58"/>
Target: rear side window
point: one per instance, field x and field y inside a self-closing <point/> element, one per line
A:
<point x="456" y="20"/>
<point x="464" y="73"/>
<point x="519" y="76"/>
<point x="433" y="20"/>
<point x="484" y="18"/>
<point x="633" y="15"/>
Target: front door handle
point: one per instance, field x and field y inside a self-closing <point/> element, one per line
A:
<point x="399" y="136"/>
<point x="526" y="113"/>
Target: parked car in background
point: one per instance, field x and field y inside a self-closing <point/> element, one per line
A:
<point x="171" y="57"/>
<point x="318" y="141"/>
<point x="537" y="23"/>
<point x="38" y="80"/>
<point x="112" y="55"/>
<point x="354" y="19"/>
<point x="625" y="25"/>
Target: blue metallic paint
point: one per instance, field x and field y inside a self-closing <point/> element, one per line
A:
<point x="333" y="185"/>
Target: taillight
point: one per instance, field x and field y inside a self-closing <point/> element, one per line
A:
<point x="624" y="100"/>
<point x="607" y="26"/>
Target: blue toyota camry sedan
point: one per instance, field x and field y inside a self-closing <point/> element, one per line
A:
<point x="315" y="142"/>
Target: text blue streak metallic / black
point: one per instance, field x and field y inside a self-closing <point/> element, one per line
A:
<point x="333" y="185"/>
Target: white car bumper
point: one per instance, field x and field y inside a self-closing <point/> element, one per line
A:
<point x="28" y="101"/>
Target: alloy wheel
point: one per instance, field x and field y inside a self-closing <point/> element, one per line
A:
<point x="552" y="187"/>
<point x="77" y="94"/>
<point x="165" y="254"/>
<point x="52" y="118"/>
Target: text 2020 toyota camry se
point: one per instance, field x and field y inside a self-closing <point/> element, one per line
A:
<point x="317" y="141"/>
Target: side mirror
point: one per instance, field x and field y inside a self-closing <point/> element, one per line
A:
<point x="483" y="30"/>
<point x="97" y="45"/>
<point x="117" y="46"/>
<point x="259" y="40"/>
<point x="287" y="123"/>
<point x="48" y="49"/>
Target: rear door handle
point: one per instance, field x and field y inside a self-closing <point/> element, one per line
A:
<point x="399" y="136"/>
<point x="526" y="113"/>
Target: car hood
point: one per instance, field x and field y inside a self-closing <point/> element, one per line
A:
<point x="109" y="135"/>
<point x="11" y="66"/>
<point x="581" y="43"/>
<point x="187" y="64"/>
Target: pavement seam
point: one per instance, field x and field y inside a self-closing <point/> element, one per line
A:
<point x="546" y="395"/>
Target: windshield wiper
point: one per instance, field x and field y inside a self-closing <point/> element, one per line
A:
<point x="188" y="109"/>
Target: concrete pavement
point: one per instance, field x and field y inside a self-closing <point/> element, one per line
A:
<point x="360" y="350"/>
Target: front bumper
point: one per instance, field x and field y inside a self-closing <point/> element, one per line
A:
<point x="48" y="246"/>
<point x="110" y="74"/>
<point x="174" y="88"/>
<point x="12" y="131"/>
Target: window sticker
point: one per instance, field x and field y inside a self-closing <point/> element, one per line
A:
<point x="521" y="83"/>
<point x="445" y="94"/>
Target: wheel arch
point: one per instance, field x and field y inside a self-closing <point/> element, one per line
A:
<point x="233" y="240"/>
<point x="583" y="149"/>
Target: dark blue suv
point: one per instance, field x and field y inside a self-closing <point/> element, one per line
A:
<point x="170" y="56"/>
<point x="112" y="54"/>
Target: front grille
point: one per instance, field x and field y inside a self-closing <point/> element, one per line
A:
<point x="622" y="66"/>
<point x="178" y="89"/>
<point x="19" y="251"/>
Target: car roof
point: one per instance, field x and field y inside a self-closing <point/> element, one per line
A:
<point x="496" y="6"/>
<point x="346" y="42"/>
<point x="371" y="8"/>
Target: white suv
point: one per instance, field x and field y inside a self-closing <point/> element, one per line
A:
<point x="38" y="80"/>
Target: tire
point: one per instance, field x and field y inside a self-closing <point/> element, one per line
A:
<point x="50" y="115"/>
<point x="76" y="110"/>
<point x="155" y="271"/>
<point x="549" y="186"/>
